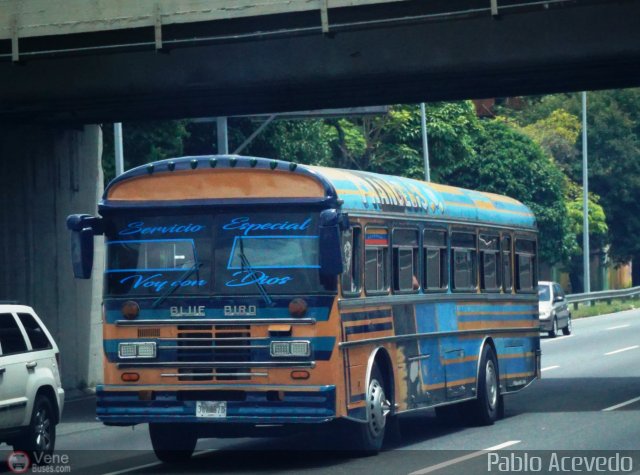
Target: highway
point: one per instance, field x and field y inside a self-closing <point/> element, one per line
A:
<point x="587" y="404"/>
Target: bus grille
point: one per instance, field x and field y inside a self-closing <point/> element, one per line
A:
<point x="215" y="343"/>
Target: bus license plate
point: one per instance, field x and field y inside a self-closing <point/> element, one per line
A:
<point x="213" y="409"/>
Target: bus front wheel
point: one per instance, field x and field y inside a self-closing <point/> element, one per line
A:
<point x="367" y="437"/>
<point x="172" y="443"/>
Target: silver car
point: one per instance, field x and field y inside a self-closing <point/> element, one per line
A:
<point x="553" y="309"/>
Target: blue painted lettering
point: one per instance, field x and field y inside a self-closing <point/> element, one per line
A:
<point x="243" y="224"/>
<point x="156" y="282"/>
<point x="246" y="277"/>
<point x="139" y="228"/>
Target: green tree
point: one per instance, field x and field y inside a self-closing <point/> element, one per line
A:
<point x="143" y="142"/>
<point x="613" y="121"/>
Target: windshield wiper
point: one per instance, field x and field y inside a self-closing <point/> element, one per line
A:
<point x="170" y="290"/>
<point x="246" y="264"/>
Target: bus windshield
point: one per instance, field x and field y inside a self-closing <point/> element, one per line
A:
<point x="230" y="254"/>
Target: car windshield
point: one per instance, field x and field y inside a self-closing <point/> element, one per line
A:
<point x="544" y="293"/>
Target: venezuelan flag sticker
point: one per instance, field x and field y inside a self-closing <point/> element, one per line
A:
<point x="376" y="237"/>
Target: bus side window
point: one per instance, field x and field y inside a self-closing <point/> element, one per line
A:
<point x="405" y="260"/>
<point x="489" y="262"/>
<point x="506" y="264"/>
<point x="463" y="261"/>
<point x="352" y="245"/>
<point x="376" y="266"/>
<point x="435" y="260"/>
<point x="526" y="279"/>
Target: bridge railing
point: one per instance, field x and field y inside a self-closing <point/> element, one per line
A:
<point x="608" y="295"/>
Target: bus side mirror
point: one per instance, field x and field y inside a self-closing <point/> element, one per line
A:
<point x="331" y="224"/>
<point x="83" y="227"/>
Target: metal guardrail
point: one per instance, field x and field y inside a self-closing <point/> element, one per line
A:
<point x="602" y="295"/>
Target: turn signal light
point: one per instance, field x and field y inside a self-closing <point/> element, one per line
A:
<point x="130" y="310"/>
<point x="130" y="377"/>
<point x="300" y="375"/>
<point x="298" y="307"/>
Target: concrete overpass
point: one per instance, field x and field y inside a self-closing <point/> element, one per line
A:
<point x="83" y="62"/>
<point x="68" y="63"/>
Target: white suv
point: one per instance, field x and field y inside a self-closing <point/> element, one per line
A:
<point x="31" y="395"/>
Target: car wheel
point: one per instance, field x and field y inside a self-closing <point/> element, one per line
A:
<point x="172" y="443"/>
<point x="554" y="330"/>
<point x="567" y="330"/>
<point x="40" y="438"/>
<point x="487" y="407"/>
<point x="367" y="438"/>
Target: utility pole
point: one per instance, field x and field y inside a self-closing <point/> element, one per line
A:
<point x="585" y="198"/>
<point x="223" y="141"/>
<point x="425" y="143"/>
<point x="117" y="145"/>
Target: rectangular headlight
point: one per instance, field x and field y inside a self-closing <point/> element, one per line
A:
<point x="127" y="350"/>
<point x="290" y="348"/>
<point x="145" y="349"/>
<point x="300" y="348"/>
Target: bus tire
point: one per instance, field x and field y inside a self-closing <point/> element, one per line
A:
<point x="485" y="410"/>
<point x="172" y="443"/>
<point x="366" y="438"/>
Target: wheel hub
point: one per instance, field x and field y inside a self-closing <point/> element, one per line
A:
<point x="491" y="384"/>
<point x="378" y="407"/>
<point x="42" y="430"/>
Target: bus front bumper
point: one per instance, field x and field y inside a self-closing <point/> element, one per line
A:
<point x="117" y="405"/>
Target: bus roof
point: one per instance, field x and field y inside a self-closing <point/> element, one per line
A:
<point x="225" y="179"/>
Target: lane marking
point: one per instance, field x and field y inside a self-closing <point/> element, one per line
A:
<point x="549" y="368"/>
<point x="619" y="326"/>
<point x="155" y="464"/>
<point x="621" y="350"/>
<point x="472" y="455"/>
<point x="622" y="404"/>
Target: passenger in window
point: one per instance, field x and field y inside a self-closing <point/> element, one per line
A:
<point x="415" y="285"/>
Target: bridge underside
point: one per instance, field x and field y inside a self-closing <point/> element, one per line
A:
<point x="390" y="53"/>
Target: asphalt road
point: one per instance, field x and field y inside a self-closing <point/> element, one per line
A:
<point x="586" y="405"/>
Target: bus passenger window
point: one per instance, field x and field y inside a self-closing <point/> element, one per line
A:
<point x="525" y="265"/>
<point x="435" y="260"/>
<point x="376" y="260"/>
<point x="489" y="262"/>
<point x="351" y="276"/>
<point x="405" y="260"/>
<point x="463" y="248"/>
<point x="506" y="264"/>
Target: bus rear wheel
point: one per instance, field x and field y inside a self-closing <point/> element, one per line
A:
<point x="172" y="443"/>
<point x="486" y="409"/>
<point x="367" y="438"/>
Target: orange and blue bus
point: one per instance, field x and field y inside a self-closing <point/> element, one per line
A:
<point x="244" y="292"/>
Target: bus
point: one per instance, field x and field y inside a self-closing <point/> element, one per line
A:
<point x="244" y="293"/>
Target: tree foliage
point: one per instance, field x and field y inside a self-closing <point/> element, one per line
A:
<point x="613" y="124"/>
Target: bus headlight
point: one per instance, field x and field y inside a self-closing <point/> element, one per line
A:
<point x="290" y="348"/>
<point x="145" y="349"/>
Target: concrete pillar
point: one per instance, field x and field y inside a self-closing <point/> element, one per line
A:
<point x="46" y="174"/>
